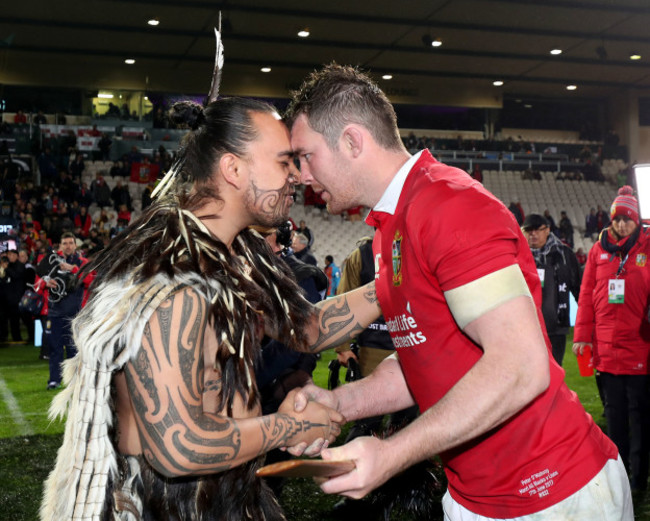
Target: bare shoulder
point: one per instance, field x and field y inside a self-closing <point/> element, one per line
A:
<point x="170" y="355"/>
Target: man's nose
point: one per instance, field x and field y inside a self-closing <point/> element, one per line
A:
<point x="305" y="176"/>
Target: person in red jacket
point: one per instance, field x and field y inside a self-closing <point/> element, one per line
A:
<point x="83" y="222"/>
<point x="613" y="320"/>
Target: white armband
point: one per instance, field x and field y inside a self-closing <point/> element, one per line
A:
<point x="470" y="301"/>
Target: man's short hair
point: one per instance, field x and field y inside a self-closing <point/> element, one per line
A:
<point x="68" y="235"/>
<point x="302" y="239"/>
<point x="337" y="96"/>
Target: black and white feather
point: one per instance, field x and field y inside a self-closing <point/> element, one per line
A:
<point x="218" y="65"/>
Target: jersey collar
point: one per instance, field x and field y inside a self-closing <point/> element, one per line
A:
<point x="388" y="201"/>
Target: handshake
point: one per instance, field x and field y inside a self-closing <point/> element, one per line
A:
<point x="315" y="420"/>
<point x="353" y="469"/>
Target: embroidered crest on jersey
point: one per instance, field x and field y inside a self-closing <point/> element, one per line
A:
<point x="641" y="259"/>
<point x="397" y="258"/>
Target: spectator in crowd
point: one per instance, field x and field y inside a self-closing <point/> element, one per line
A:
<point x="103" y="223"/>
<point x="581" y="257"/>
<point x="77" y="167"/>
<point x="566" y="229"/>
<point x="113" y="110"/>
<point x="602" y="219"/>
<point x="119" y="169"/>
<point x="20" y="118"/>
<point x="146" y="196"/>
<point x="313" y="198"/>
<point x="29" y="223"/>
<point x="159" y="118"/>
<point x="95" y="240"/>
<point x="30" y="277"/>
<point x="333" y="273"/>
<point x="591" y="224"/>
<point x="123" y="214"/>
<point x="134" y="156"/>
<point x="304" y="229"/>
<point x="517" y="211"/>
<point x="83" y="222"/>
<point x="476" y="173"/>
<point x="100" y="191"/>
<point x="121" y="196"/>
<point x="613" y="322"/>
<point x="124" y="112"/>
<point x="13" y="285"/>
<point x="104" y="144"/>
<point x="47" y="166"/>
<point x="64" y="302"/>
<point x="66" y="186"/>
<point x="83" y="194"/>
<point x="120" y="226"/>
<point x="301" y="249"/>
<point x="40" y="119"/>
<point x="4" y="300"/>
<point x="559" y="274"/>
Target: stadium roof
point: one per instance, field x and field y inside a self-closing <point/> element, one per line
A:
<point x="86" y="42"/>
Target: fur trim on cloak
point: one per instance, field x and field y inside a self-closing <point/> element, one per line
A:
<point x="166" y="249"/>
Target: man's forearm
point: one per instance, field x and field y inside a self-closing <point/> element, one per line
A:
<point x="510" y="375"/>
<point x="341" y="318"/>
<point x="180" y="440"/>
<point x="382" y="392"/>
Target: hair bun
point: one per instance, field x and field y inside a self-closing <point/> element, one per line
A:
<point x="187" y="113"/>
<point x="626" y="190"/>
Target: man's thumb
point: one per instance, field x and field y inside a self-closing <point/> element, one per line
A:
<point x="300" y="401"/>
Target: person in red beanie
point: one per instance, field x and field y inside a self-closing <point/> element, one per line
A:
<point x="613" y="319"/>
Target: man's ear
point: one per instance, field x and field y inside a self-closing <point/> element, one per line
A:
<point x="352" y="140"/>
<point x="230" y="169"/>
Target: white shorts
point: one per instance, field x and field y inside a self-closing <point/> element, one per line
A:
<point x="606" y="497"/>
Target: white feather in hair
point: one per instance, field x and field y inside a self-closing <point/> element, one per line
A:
<point x="218" y="65"/>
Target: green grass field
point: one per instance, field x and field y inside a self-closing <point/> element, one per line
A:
<point x="29" y="441"/>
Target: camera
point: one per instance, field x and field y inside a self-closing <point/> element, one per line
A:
<point x="284" y="233"/>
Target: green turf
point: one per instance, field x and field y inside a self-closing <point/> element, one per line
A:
<point x="26" y="378"/>
<point x="26" y="459"/>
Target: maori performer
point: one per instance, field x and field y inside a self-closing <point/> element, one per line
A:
<point x="163" y="413"/>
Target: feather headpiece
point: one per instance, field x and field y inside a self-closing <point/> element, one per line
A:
<point x="172" y="174"/>
<point x="213" y="94"/>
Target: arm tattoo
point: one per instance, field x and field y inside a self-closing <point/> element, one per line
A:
<point x="277" y="431"/>
<point x="370" y="294"/>
<point x="168" y="388"/>
<point x="335" y="324"/>
<point x="189" y="338"/>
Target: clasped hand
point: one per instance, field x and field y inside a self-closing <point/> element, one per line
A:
<point x="320" y="424"/>
<point x="370" y="455"/>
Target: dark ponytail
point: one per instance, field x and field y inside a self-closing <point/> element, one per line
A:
<point x="223" y="126"/>
<point x="187" y="114"/>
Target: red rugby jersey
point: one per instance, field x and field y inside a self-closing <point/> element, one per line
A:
<point x="446" y="231"/>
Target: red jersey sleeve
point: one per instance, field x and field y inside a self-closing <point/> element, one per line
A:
<point x="476" y="236"/>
